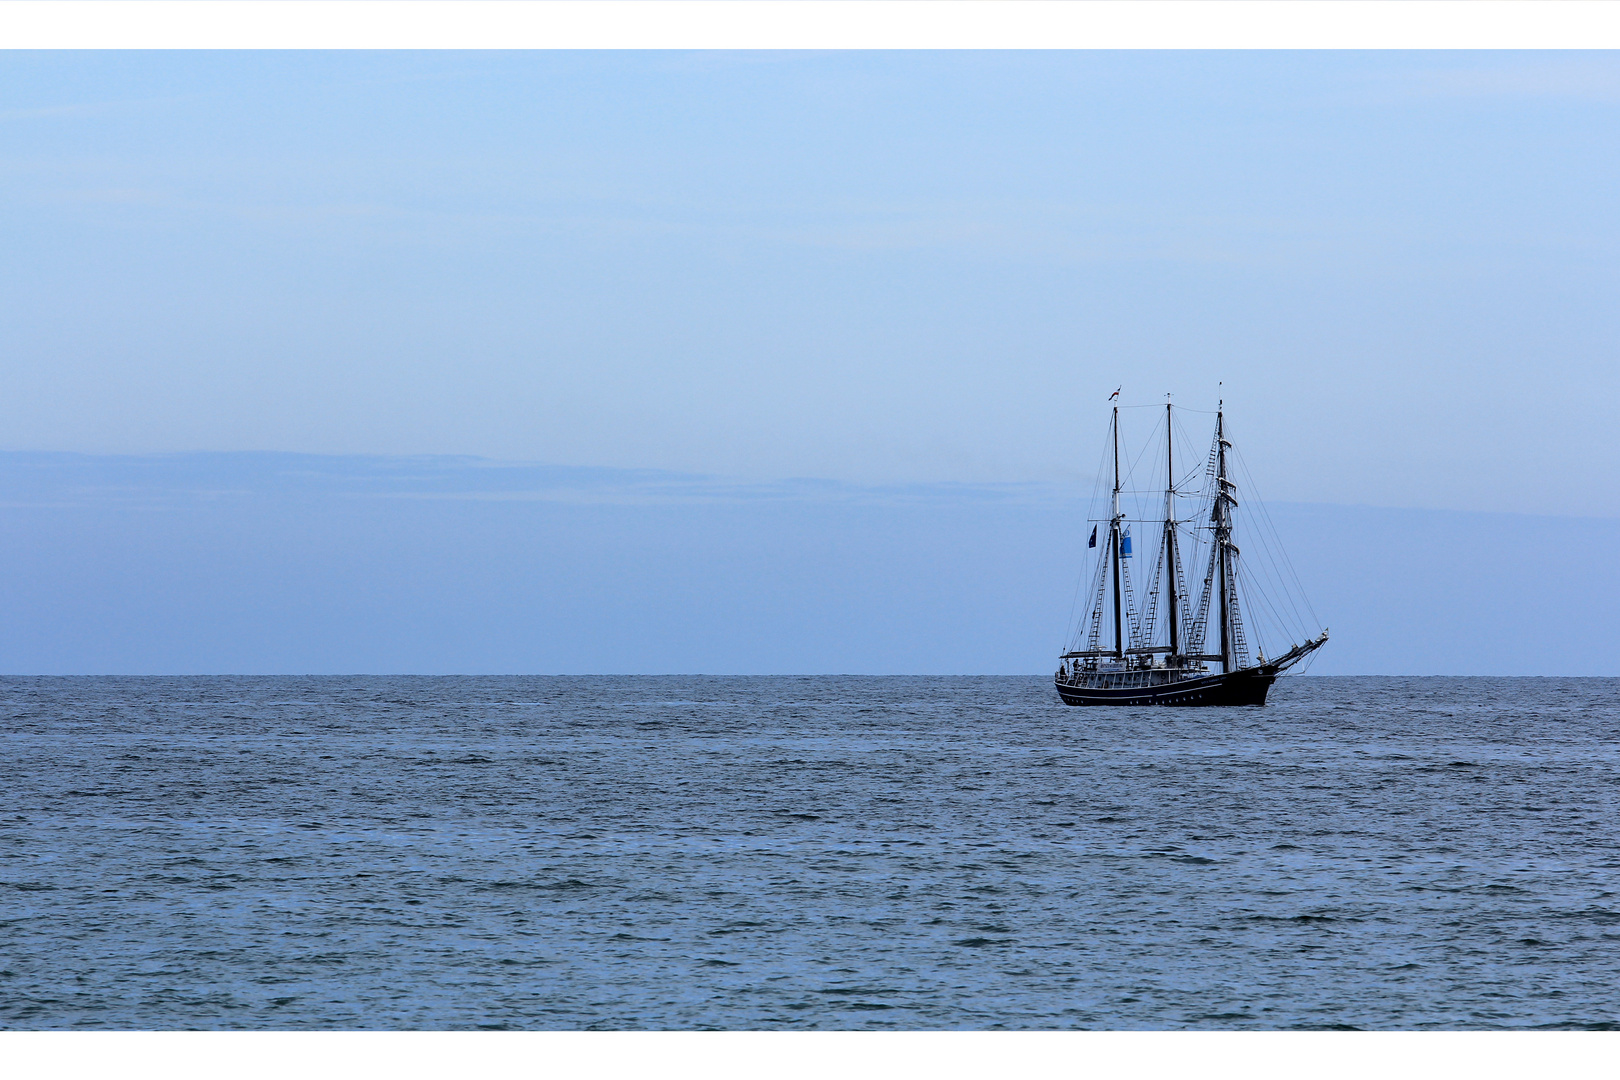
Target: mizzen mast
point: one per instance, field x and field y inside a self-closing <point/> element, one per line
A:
<point x="1232" y="650"/>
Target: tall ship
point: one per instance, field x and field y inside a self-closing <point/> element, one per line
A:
<point x="1169" y="649"/>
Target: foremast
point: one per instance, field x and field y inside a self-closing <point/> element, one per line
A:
<point x="1114" y="549"/>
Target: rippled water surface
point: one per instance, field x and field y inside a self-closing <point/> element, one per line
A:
<point x="805" y="852"/>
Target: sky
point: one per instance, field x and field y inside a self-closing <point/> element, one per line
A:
<point x="872" y="272"/>
<point x="264" y="563"/>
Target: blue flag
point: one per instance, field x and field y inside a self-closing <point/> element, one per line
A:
<point x="1093" y="537"/>
<point x="1125" y="545"/>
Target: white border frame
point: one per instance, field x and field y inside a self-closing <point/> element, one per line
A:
<point x="809" y="24"/>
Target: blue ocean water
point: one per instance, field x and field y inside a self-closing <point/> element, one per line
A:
<point x="827" y="852"/>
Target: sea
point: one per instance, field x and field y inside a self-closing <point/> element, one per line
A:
<point x="805" y="853"/>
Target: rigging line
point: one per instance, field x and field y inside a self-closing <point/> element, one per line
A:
<point x="1097" y="481"/>
<point x="1087" y="623"/>
<point x="1074" y="602"/>
<point x="1080" y="578"/>
<point x="1282" y="551"/>
<point x="1241" y="585"/>
<point x="1101" y="496"/>
<point x="1130" y="472"/>
<point x="1265" y="577"/>
<point x="1190" y="476"/>
<point x="1304" y="597"/>
<point x="1092" y="627"/>
<point x="1179" y="408"/>
<point x="1153" y="492"/>
<point x="1195" y="529"/>
<point x="1263" y="585"/>
<point x="1254" y="589"/>
<point x="1270" y="546"/>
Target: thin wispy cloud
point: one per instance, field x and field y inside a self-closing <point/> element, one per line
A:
<point x="59" y="479"/>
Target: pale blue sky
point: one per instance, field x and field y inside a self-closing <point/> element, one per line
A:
<point x="864" y="266"/>
<point x="896" y="273"/>
<point x="278" y="563"/>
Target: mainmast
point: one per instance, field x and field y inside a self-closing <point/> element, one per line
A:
<point x="1113" y="540"/>
<point x="1171" y="574"/>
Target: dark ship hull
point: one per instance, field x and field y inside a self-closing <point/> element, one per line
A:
<point x="1245" y="687"/>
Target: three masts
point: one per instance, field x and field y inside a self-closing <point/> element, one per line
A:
<point x="1137" y="670"/>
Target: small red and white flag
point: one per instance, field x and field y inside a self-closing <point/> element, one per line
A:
<point x="1115" y="394"/>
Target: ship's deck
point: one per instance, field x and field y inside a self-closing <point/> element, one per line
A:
<point x="1131" y="678"/>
